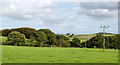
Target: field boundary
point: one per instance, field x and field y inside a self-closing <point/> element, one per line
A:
<point x="60" y="64"/>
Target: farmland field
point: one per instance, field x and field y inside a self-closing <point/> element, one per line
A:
<point x="17" y="54"/>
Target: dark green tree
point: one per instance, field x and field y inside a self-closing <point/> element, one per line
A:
<point x="94" y="41"/>
<point x="111" y="42"/>
<point x="32" y="41"/>
<point x="72" y="35"/>
<point x="118" y="41"/>
<point x="68" y="34"/>
<point x="15" y="38"/>
<point x="5" y="32"/>
<point x="46" y="31"/>
<point x="75" y="42"/>
<point x="61" y="37"/>
<point x="52" y="40"/>
<point x="62" y="43"/>
<point x="40" y="37"/>
<point x="24" y="30"/>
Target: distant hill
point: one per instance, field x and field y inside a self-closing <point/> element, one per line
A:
<point x="102" y="33"/>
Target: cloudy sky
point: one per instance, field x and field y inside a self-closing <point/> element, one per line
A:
<point x="60" y="17"/>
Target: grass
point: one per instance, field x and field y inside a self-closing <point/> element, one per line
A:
<point x="14" y="54"/>
<point x="2" y="39"/>
<point x="82" y="37"/>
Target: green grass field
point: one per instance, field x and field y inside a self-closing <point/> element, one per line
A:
<point x="14" y="54"/>
<point x="82" y="37"/>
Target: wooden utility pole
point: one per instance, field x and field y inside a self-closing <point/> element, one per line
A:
<point x="104" y="27"/>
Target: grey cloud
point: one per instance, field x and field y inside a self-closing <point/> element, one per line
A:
<point x="100" y="5"/>
<point x="99" y="11"/>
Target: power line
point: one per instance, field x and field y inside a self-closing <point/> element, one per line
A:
<point x="104" y="27"/>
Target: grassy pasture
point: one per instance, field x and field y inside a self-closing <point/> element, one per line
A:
<point x="15" y="54"/>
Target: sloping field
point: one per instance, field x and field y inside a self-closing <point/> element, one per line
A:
<point x="85" y="37"/>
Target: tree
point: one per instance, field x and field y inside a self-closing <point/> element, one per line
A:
<point x="40" y="37"/>
<point x="53" y="40"/>
<point x="72" y="35"/>
<point x="75" y="42"/>
<point x="110" y="43"/>
<point x="15" y="38"/>
<point x="5" y="32"/>
<point x="24" y="30"/>
<point x="33" y="41"/>
<point x="61" y="37"/>
<point x="62" y="43"/>
<point x="68" y="34"/>
<point x="94" y="41"/>
<point x="118" y="40"/>
<point x="46" y="31"/>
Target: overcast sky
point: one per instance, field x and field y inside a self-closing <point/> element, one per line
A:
<point x="60" y="17"/>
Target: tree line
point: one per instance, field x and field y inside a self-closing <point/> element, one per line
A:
<point x="46" y="38"/>
<point x="25" y="30"/>
<point x="112" y="42"/>
<point x="37" y="38"/>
